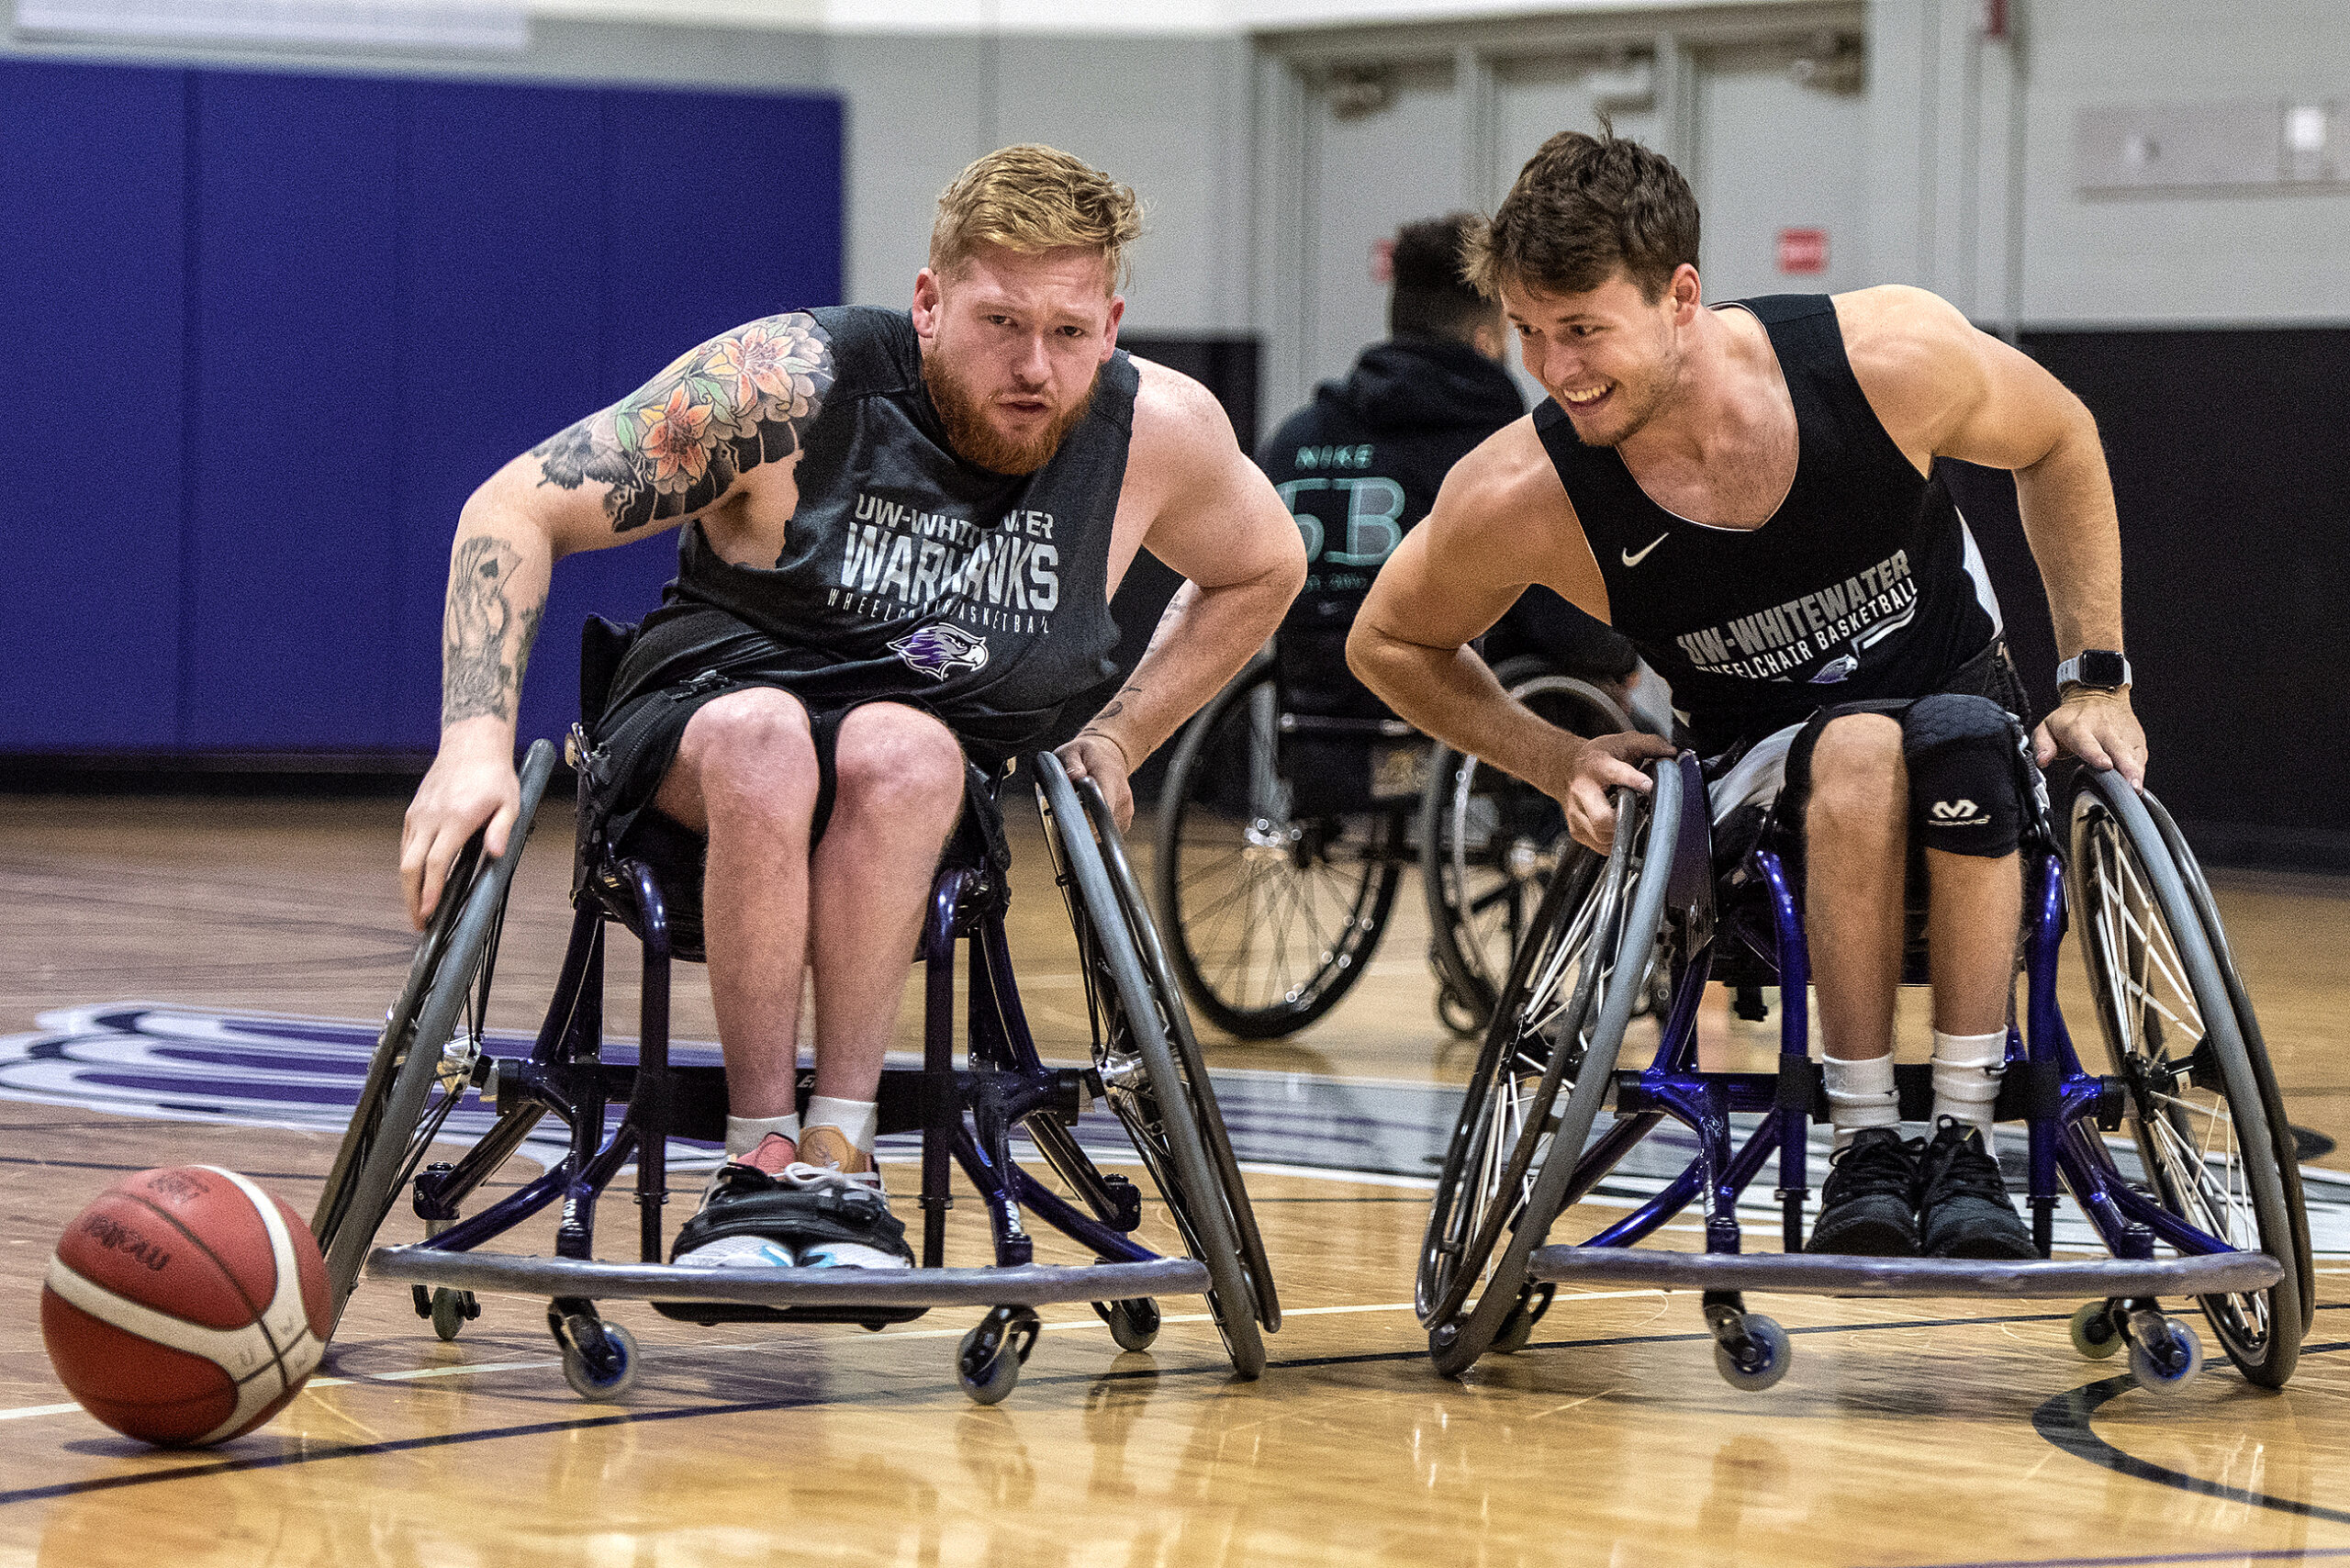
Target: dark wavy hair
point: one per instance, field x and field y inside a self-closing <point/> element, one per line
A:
<point x="1583" y="207"/>
<point x="1432" y="298"/>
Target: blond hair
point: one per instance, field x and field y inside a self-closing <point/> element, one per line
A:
<point x="1031" y="198"/>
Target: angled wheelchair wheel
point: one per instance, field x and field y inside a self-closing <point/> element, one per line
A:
<point x="425" y="1059"/>
<point x="1490" y="844"/>
<point x="1169" y="1112"/>
<point x="2167" y="1007"/>
<point x="1548" y="1058"/>
<point x="2272" y="1099"/>
<point x="1271" y="916"/>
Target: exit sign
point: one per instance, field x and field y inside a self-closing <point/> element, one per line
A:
<point x="1803" y="249"/>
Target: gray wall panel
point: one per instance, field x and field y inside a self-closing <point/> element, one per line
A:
<point x="2259" y="256"/>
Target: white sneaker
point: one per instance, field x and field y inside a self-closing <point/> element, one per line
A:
<point x="737" y="1253"/>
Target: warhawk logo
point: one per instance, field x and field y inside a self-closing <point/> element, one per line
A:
<point x="1959" y="813"/>
<point x="938" y="650"/>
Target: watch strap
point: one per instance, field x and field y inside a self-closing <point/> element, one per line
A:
<point x="2100" y="669"/>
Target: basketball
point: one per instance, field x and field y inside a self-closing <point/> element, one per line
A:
<point x="185" y="1306"/>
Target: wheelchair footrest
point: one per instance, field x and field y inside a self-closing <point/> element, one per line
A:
<point x="1033" y="1285"/>
<point x="709" y="1314"/>
<point x="1805" y="1274"/>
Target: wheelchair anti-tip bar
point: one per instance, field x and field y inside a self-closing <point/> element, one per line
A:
<point x="1800" y="1273"/>
<point x="1034" y="1286"/>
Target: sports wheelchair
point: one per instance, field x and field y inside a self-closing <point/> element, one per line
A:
<point x="2201" y="1198"/>
<point x="1292" y="805"/>
<point x="1145" y="1063"/>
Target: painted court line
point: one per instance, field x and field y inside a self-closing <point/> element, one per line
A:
<point x="418" y="1375"/>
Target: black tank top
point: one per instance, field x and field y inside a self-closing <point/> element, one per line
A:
<point x="909" y="572"/>
<point x="1864" y="583"/>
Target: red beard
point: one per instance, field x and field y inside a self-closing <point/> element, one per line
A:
<point x="974" y="439"/>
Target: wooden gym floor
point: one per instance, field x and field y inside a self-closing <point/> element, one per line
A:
<point x="1916" y="1432"/>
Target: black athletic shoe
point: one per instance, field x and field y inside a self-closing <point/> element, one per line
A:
<point x="1868" y="1207"/>
<point x="1962" y="1204"/>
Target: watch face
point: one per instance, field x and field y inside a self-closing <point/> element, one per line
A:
<point x="2101" y="667"/>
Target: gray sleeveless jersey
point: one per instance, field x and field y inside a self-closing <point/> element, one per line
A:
<point x="908" y="573"/>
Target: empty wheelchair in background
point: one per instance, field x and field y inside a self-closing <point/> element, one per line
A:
<point x="1490" y="845"/>
<point x="433" y="1051"/>
<point x="1294" y="804"/>
<point x="2176" y="1154"/>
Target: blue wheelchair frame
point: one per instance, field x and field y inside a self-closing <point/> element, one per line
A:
<point x="2065" y="1107"/>
<point x="966" y="1113"/>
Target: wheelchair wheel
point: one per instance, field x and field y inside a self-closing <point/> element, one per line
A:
<point x="2166" y="1006"/>
<point x="1557" y="1027"/>
<point x="1271" y="916"/>
<point x="1489" y="844"/>
<point x="1170" y="1113"/>
<point x="425" y="1058"/>
<point x="2272" y="1099"/>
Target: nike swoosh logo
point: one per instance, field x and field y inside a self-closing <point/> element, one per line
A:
<point x="1632" y="560"/>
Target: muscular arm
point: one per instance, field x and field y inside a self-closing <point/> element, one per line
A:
<point x="1944" y="389"/>
<point x="1213" y="518"/>
<point x="682" y="445"/>
<point x="1500" y="523"/>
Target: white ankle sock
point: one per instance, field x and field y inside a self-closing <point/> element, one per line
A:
<point x="856" y="1119"/>
<point x="1967" y="1069"/>
<point x="745" y="1134"/>
<point x="1860" y="1094"/>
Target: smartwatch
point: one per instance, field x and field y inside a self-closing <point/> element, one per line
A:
<point x="2099" y="669"/>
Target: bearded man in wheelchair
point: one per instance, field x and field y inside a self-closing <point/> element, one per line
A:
<point x="900" y="532"/>
<point x="1748" y="493"/>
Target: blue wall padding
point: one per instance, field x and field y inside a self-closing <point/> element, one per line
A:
<point x="506" y="263"/>
<point x="295" y="477"/>
<point x="292" y="321"/>
<point x="92" y="238"/>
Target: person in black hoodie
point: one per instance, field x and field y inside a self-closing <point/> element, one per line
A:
<point x="1359" y="466"/>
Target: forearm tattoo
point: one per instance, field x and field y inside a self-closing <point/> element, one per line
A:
<point x="678" y="442"/>
<point x="485" y="639"/>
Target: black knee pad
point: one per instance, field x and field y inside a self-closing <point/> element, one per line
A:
<point x="1963" y="793"/>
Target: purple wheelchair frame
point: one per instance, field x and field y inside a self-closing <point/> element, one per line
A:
<point x="968" y="1115"/>
<point x="2064" y="1105"/>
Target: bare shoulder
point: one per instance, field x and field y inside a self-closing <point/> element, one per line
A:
<point x="1506" y="481"/>
<point x="1176" y="418"/>
<point x="1894" y="330"/>
<point x="1918" y="358"/>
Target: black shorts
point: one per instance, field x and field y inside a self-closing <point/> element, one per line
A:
<point x="1757" y="789"/>
<point x="630" y="746"/>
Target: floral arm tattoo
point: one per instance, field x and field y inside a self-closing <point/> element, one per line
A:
<point x="677" y="444"/>
<point x="485" y="637"/>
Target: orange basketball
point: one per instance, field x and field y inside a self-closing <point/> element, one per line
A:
<point x="185" y="1306"/>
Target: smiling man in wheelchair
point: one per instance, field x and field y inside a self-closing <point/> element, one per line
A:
<point x="1747" y="492"/>
<point x="900" y="535"/>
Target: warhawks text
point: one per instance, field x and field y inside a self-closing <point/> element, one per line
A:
<point x="895" y="558"/>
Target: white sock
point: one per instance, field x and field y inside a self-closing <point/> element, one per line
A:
<point x="1860" y="1094"/>
<point x="856" y="1119"/>
<point x="1967" y="1069"/>
<point x="745" y="1134"/>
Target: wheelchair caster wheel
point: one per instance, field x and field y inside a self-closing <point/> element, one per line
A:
<point x="2094" y="1334"/>
<point x="1763" y="1361"/>
<point x="599" y="1359"/>
<point x="1518" y="1327"/>
<point x="451" y="1311"/>
<point x="2167" y="1362"/>
<point x="1452" y="1011"/>
<point x="987" y="1361"/>
<point x="1133" y="1324"/>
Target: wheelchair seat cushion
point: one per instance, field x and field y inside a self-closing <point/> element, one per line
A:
<point x="793" y="1213"/>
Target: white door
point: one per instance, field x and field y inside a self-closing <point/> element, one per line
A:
<point x="1367" y="175"/>
<point x="1781" y="177"/>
